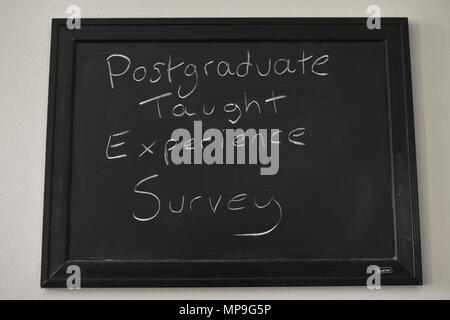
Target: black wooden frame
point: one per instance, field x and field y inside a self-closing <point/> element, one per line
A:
<point x="403" y="268"/>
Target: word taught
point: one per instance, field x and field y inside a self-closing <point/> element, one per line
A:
<point x="233" y="109"/>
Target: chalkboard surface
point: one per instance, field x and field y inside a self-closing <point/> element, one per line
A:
<point x="230" y="152"/>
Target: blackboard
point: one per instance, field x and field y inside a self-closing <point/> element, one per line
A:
<point x="230" y="152"/>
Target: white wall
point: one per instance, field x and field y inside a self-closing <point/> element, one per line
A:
<point x="24" y="58"/>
